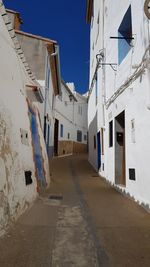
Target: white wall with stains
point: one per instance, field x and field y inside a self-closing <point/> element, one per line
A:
<point x="15" y="157"/>
<point x="118" y="96"/>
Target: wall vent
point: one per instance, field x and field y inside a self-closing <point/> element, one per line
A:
<point x="132" y="174"/>
<point x="28" y="178"/>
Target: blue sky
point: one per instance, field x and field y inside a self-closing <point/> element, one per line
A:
<point x="63" y="21"/>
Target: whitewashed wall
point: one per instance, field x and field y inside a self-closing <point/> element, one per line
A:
<point x="95" y="107"/>
<point x="67" y="112"/>
<point x="80" y="114"/>
<point x="134" y="100"/>
<point x="15" y="157"/>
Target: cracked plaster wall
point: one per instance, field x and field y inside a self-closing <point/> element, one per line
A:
<point x="15" y="157"/>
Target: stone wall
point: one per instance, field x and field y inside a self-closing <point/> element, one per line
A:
<point x="70" y="147"/>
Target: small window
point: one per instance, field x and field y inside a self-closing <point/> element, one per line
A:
<point x="94" y="142"/>
<point x="68" y="135"/>
<point x="93" y="46"/>
<point x="96" y="90"/>
<point x="61" y="130"/>
<point x="125" y="36"/>
<point x="97" y="29"/>
<point x="48" y="77"/>
<point x="92" y="62"/>
<point x="79" y="136"/>
<point x="80" y="110"/>
<point x="85" y="137"/>
<point x="53" y="101"/>
<point x="110" y="133"/>
<point x="47" y="74"/>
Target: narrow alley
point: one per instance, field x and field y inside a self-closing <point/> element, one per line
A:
<point x="80" y="221"/>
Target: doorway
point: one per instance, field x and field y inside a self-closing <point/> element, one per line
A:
<point x="56" y="132"/>
<point x="120" y="175"/>
<point x="48" y="137"/>
<point x="98" y="150"/>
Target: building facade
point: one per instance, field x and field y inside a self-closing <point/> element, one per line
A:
<point x="42" y="55"/>
<point x="70" y="135"/>
<point x="23" y="157"/>
<point x="118" y="106"/>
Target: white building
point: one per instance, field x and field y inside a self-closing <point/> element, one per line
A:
<point x="70" y="121"/>
<point x="119" y="94"/>
<point x="23" y="157"/>
<point x="42" y="54"/>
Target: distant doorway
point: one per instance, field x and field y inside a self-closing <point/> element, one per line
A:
<point x="98" y="150"/>
<point x="120" y="175"/>
<point x="48" y="136"/>
<point x="56" y="132"/>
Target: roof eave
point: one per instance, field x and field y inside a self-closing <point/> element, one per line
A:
<point x="68" y="89"/>
<point x="35" y="36"/>
<point x="89" y="10"/>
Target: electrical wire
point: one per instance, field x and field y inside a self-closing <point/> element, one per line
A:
<point x="139" y="70"/>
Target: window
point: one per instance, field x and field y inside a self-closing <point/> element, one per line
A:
<point x="110" y="133"/>
<point x="85" y="137"/>
<point x="97" y="28"/>
<point x="93" y="46"/>
<point x="47" y="73"/>
<point x="80" y="110"/>
<point x="48" y="77"/>
<point x="61" y="130"/>
<point x="53" y="101"/>
<point x="79" y="136"/>
<point x="92" y="62"/>
<point x="68" y="135"/>
<point x="125" y="36"/>
<point x="94" y="142"/>
<point x="96" y="90"/>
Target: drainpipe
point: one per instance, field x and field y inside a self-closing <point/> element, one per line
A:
<point x="56" y="54"/>
<point x="148" y="70"/>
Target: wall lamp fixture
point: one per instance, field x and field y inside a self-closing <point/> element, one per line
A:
<point x="100" y="58"/>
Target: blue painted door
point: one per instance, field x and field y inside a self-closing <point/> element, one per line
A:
<point x="37" y="149"/>
<point x="98" y="150"/>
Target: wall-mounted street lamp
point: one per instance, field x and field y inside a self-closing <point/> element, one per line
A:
<point x="100" y="57"/>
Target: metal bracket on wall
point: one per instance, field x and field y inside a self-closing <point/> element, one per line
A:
<point x="112" y="65"/>
<point x="131" y="40"/>
<point x="121" y="37"/>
